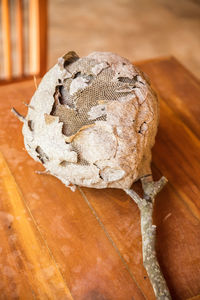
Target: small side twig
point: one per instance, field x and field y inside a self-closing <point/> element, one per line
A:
<point x="18" y="115"/>
<point x="148" y="231"/>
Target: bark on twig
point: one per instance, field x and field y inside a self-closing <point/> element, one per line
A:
<point x="148" y="231"/>
<point x="18" y="115"/>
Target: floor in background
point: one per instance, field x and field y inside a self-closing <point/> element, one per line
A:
<point x="136" y="29"/>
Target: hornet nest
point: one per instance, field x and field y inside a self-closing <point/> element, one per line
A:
<point x="92" y="122"/>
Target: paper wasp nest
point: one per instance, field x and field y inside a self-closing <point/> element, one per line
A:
<point x="92" y="121"/>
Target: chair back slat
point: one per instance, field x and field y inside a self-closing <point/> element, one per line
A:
<point x="20" y="40"/>
<point x="33" y="43"/>
<point x="43" y="24"/>
<point x="33" y="37"/>
<point x="38" y="36"/>
<point x="7" y="60"/>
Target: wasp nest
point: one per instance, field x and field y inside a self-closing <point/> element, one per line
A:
<point x="92" y="121"/>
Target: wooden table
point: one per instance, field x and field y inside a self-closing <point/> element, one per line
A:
<point x="56" y="244"/>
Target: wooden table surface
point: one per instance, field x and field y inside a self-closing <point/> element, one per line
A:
<point x="56" y="244"/>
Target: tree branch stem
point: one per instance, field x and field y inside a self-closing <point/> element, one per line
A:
<point x="148" y="231"/>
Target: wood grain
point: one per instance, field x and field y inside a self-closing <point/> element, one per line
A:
<point x="28" y="267"/>
<point x="92" y="237"/>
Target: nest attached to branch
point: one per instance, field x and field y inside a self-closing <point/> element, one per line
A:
<point x="92" y="122"/>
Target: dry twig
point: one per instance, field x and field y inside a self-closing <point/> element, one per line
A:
<point x="148" y="230"/>
<point x="18" y="115"/>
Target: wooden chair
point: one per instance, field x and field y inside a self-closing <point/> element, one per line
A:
<point x="35" y="48"/>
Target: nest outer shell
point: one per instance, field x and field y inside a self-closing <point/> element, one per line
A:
<point x="117" y="150"/>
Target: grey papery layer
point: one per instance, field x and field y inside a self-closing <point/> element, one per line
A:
<point x="117" y="148"/>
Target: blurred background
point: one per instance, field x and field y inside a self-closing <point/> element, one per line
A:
<point x="136" y="29"/>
